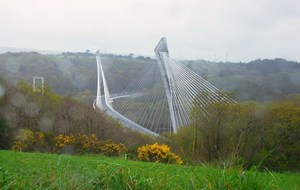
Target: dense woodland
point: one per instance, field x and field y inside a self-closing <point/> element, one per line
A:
<point x="75" y="74"/>
<point x="262" y="130"/>
<point x="248" y="133"/>
<point x="21" y="108"/>
<point x="72" y="74"/>
<point x="259" y="80"/>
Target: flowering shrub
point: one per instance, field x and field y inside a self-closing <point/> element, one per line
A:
<point x="19" y="146"/>
<point x="112" y="149"/>
<point x="88" y="143"/>
<point x="81" y="143"/>
<point x="64" y="140"/>
<point x="158" y="153"/>
<point x="29" y="140"/>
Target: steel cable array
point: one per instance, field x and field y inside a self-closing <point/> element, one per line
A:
<point x="163" y="95"/>
<point x="146" y="101"/>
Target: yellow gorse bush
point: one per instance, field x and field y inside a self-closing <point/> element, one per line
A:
<point x="83" y="143"/>
<point x="64" y="140"/>
<point x="19" y="146"/>
<point x="113" y="149"/>
<point x="158" y="153"/>
<point x="28" y="140"/>
<point x="88" y="143"/>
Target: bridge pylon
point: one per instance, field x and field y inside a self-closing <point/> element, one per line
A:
<point x="168" y="84"/>
<point x="98" y="99"/>
<point x="162" y="54"/>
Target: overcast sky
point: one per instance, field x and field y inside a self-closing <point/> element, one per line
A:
<point x="243" y="30"/>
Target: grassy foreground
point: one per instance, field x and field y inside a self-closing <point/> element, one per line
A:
<point x="51" y="171"/>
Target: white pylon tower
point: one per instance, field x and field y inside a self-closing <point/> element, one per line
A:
<point x="38" y="84"/>
<point x="98" y="99"/>
<point x="162" y="55"/>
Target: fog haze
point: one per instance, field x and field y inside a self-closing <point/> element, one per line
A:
<point x="196" y="29"/>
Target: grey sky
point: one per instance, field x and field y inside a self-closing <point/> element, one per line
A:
<point x="195" y="29"/>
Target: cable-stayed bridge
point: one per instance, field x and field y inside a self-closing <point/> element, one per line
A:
<point x="161" y="97"/>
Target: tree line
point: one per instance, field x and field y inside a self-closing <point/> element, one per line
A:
<point x="258" y="80"/>
<point x="53" y="114"/>
<point x="248" y="134"/>
<point x="75" y="74"/>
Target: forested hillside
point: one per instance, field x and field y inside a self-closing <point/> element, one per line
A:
<point x="75" y="74"/>
<point x="72" y="74"/>
<point x="259" y="80"/>
<point x="23" y="109"/>
<point x="246" y="133"/>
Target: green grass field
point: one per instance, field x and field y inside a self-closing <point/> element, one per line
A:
<point x="51" y="171"/>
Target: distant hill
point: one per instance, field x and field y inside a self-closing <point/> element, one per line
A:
<point x="75" y="74"/>
<point x="15" y="50"/>
<point x="260" y="80"/>
<point x="69" y="73"/>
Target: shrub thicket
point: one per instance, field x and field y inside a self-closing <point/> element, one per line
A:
<point x="36" y="141"/>
<point x="110" y="148"/>
<point x="80" y="143"/>
<point x="158" y="153"/>
<point x="29" y="141"/>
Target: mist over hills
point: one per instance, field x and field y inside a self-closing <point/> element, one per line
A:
<point x="259" y="80"/>
<point x="75" y="74"/>
<point x="18" y="50"/>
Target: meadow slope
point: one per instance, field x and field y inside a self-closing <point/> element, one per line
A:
<point x="52" y="171"/>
